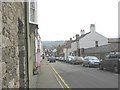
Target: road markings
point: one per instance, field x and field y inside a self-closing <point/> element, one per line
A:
<point x="60" y="77"/>
<point x="59" y="81"/>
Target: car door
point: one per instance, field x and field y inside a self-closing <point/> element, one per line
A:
<point x="110" y="62"/>
<point x="114" y="61"/>
<point x="105" y="62"/>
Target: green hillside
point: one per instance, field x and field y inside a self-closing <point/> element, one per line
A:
<point x="52" y="43"/>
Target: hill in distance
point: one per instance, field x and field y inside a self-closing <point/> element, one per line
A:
<point x="52" y="43"/>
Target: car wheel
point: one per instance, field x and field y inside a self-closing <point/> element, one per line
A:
<point x="115" y="69"/>
<point x="100" y="67"/>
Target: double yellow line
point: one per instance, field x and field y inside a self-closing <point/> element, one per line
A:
<point x="65" y="84"/>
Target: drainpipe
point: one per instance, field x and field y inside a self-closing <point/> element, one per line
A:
<point x="26" y="42"/>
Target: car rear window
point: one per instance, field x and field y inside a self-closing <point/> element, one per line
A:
<point x="114" y="56"/>
<point x="118" y="56"/>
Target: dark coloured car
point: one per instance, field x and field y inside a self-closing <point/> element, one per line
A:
<point x="91" y="61"/>
<point x="111" y="62"/>
<point x="51" y="59"/>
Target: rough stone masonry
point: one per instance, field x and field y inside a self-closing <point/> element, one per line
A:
<point x="12" y="47"/>
<point x="0" y="45"/>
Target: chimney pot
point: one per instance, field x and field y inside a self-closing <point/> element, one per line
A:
<point x="82" y="32"/>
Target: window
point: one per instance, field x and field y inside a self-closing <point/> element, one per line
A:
<point x="96" y="43"/>
<point x="33" y="11"/>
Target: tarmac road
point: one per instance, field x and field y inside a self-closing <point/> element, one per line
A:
<point x="77" y="76"/>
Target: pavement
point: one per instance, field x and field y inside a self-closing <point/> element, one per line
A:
<point x="46" y="78"/>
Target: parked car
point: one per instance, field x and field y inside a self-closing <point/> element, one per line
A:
<point x="57" y="58"/>
<point x="51" y="59"/>
<point x="80" y="59"/>
<point x="76" y="60"/>
<point x="91" y="61"/>
<point x="72" y="60"/>
<point x="111" y="62"/>
<point x="61" y="58"/>
<point x="69" y="58"/>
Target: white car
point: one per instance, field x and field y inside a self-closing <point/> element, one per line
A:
<point x="61" y="58"/>
<point x="70" y="58"/>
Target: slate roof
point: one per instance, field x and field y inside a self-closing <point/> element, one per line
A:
<point x="81" y="36"/>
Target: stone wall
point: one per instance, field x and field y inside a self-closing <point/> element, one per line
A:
<point x="0" y="45"/>
<point x="101" y="51"/>
<point x="13" y="45"/>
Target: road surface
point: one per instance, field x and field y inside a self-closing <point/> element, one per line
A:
<point x="77" y="76"/>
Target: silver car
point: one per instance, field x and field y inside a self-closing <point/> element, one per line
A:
<point x="91" y="61"/>
<point x="76" y="60"/>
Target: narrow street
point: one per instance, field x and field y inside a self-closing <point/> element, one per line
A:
<point x="41" y="40"/>
<point x="77" y="76"/>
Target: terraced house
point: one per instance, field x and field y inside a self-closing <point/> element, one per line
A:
<point x="18" y="24"/>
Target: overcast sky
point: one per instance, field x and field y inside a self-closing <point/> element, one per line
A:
<point x="62" y="19"/>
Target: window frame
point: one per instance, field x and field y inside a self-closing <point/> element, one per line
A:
<point x="35" y="12"/>
<point x="96" y="44"/>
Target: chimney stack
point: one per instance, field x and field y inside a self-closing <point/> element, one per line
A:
<point x="77" y="36"/>
<point x="92" y="27"/>
<point x="70" y="39"/>
<point x="82" y="32"/>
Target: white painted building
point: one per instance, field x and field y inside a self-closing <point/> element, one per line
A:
<point x="67" y="49"/>
<point x="74" y="45"/>
<point x="87" y="40"/>
<point x="92" y="39"/>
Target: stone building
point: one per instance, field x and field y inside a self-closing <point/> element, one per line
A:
<point x="14" y="60"/>
<point x="17" y="43"/>
<point x="0" y="45"/>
